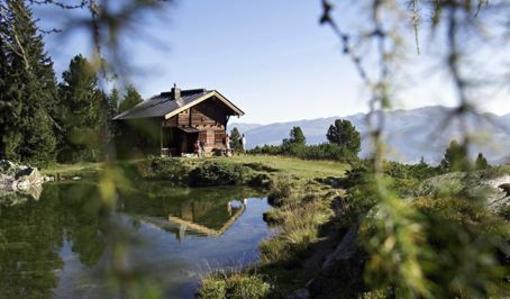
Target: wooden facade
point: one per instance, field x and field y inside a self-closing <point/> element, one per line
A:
<point x="196" y="116"/>
<point x="206" y="122"/>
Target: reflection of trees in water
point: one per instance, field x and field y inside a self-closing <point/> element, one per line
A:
<point x="82" y="221"/>
<point x="206" y="206"/>
<point x="34" y="234"/>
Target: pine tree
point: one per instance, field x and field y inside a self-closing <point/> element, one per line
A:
<point x="82" y="112"/>
<point x="481" y="162"/>
<point x="455" y="158"/>
<point x="112" y="110"/>
<point x="344" y="134"/>
<point x="5" y="107"/>
<point x="114" y="100"/>
<point x="30" y="89"/>
<point x="131" y="99"/>
<point x="297" y="136"/>
<point x="235" y="140"/>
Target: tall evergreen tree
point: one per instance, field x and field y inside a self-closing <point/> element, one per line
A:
<point x="5" y="106"/>
<point x="81" y="112"/>
<point x="455" y="158"/>
<point x="114" y="100"/>
<point x="131" y="99"/>
<point x="481" y="162"/>
<point x="30" y="89"/>
<point x="235" y="140"/>
<point x="296" y="137"/>
<point x="112" y="110"/>
<point x="344" y="134"/>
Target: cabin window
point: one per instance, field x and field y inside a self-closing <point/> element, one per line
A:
<point x="219" y="136"/>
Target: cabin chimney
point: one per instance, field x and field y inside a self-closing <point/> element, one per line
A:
<point x="176" y="92"/>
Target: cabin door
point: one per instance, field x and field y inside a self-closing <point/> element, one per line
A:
<point x="188" y="145"/>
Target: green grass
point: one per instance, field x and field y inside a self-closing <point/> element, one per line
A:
<point x="302" y="169"/>
<point x="306" y="169"/>
<point x="68" y="170"/>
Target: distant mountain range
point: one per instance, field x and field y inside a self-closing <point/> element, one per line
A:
<point x="409" y="134"/>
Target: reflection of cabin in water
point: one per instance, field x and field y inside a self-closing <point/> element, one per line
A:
<point x="199" y="218"/>
<point x="172" y="122"/>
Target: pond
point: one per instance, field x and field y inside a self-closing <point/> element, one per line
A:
<point x="157" y="239"/>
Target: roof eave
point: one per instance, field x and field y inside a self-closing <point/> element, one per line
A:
<point x="206" y="96"/>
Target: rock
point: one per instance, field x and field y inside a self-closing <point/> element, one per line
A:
<point x="300" y="294"/>
<point x="76" y="178"/>
<point x="499" y="198"/>
<point x="345" y="263"/>
<point x="21" y="179"/>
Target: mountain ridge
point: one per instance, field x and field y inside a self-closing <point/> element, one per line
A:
<point x="410" y="133"/>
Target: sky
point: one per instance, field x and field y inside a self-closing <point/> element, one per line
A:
<point x="271" y="58"/>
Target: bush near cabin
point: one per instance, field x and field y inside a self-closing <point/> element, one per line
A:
<point x="201" y="173"/>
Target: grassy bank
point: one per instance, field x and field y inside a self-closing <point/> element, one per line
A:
<point x="272" y="165"/>
<point x="71" y="170"/>
<point x="302" y="169"/>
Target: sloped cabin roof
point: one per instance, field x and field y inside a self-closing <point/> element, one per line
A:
<point x="165" y="105"/>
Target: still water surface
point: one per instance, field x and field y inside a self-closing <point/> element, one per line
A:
<point x="57" y="246"/>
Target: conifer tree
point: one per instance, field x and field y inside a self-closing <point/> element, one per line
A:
<point x="82" y="112"/>
<point x="297" y="136"/>
<point x="131" y="99"/>
<point x="235" y="140"/>
<point x="5" y="106"/>
<point x="113" y="101"/>
<point x="30" y="89"/>
<point x="344" y="134"/>
<point x="455" y="158"/>
<point x="481" y="162"/>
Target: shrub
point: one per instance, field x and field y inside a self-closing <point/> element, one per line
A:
<point x="234" y="286"/>
<point x="260" y="180"/>
<point x="281" y="190"/>
<point x="246" y="286"/>
<point x="324" y="151"/>
<point x="273" y="150"/>
<point x="273" y="250"/>
<point x="217" y="174"/>
<point x="158" y="168"/>
<point x="213" y="288"/>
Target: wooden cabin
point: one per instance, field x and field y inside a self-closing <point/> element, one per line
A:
<point x="172" y="122"/>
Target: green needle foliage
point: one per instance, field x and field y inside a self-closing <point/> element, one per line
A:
<point x="131" y="99"/>
<point x="481" y="162"/>
<point x="81" y="110"/>
<point x="29" y="88"/>
<point x="456" y="157"/>
<point x="235" y="140"/>
<point x="296" y="137"/>
<point x="344" y="134"/>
